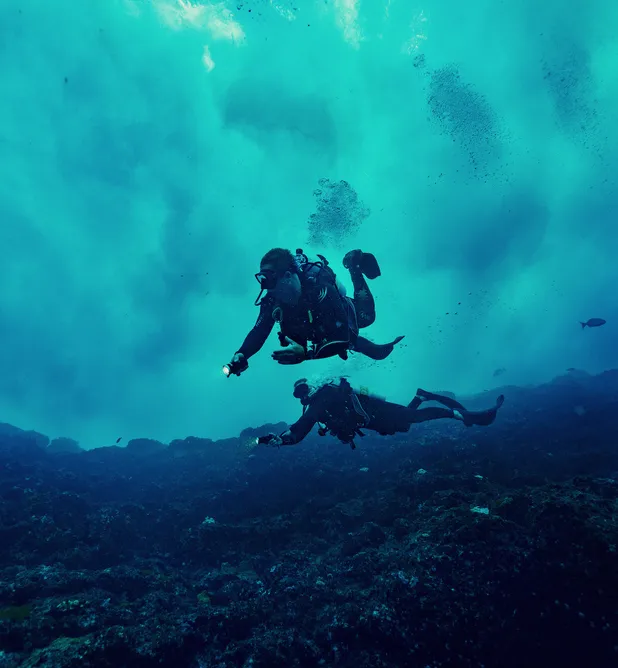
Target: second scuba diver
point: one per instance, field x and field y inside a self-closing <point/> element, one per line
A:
<point x="345" y="413"/>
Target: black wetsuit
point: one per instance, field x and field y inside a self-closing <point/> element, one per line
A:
<point x="343" y="412"/>
<point x="322" y="317"/>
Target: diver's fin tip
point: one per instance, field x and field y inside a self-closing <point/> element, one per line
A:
<point x="369" y="266"/>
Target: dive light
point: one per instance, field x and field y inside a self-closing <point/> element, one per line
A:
<point x="235" y="367"/>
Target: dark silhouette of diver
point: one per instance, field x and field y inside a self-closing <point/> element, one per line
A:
<point x="316" y="318"/>
<point x="344" y="412"/>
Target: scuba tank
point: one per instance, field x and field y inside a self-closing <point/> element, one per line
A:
<point x="311" y="271"/>
<point x="348" y="426"/>
<point x="363" y="390"/>
<point x="305" y="268"/>
<point x="305" y="265"/>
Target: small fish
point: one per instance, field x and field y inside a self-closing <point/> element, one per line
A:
<point x="499" y="372"/>
<point x="593" y="322"/>
<point x="119" y="439"/>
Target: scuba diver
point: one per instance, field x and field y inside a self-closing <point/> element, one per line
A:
<point x="340" y="410"/>
<point x="316" y="317"/>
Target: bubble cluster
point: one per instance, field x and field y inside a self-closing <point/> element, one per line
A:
<point x="339" y="214"/>
<point x="569" y="81"/>
<point x="465" y="115"/>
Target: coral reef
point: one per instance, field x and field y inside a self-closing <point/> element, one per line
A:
<point x="446" y="546"/>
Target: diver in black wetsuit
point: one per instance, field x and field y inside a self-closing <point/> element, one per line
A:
<point x="344" y="413"/>
<point x="316" y="318"/>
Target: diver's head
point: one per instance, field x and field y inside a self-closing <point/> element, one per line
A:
<point x="302" y="390"/>
<point x="279" y="275"/>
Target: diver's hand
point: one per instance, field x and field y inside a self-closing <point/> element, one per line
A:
<point x="236" y="366"/>
<point x="271" y="440"/>
<point x="294" y="353"/>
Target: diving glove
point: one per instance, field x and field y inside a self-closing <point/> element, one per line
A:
<point x="238" y="364"/>
<point x="270" y="439"/>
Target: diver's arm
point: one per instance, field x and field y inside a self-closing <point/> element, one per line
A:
<point x="258" y="335"/>
<point x="299" y="430"/>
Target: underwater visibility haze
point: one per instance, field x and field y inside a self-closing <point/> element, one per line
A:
<point x="152" y="152"/>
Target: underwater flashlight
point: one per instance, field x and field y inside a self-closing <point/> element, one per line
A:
<point x="236" y="366"/>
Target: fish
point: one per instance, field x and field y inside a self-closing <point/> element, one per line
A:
<point x="499" y="372"/>
<point x="593" y="322"/>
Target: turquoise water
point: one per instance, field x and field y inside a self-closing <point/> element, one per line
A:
<point x="152" y="152"/>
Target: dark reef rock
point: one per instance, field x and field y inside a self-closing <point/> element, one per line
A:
<point x="446" y="546"/>
<point x="145" y="446"/>
<point x="63" y="444"/>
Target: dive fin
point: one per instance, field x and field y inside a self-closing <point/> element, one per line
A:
<point x="482" y="418"/>
<point x="369" y="266"/>
<point x="373" y="350"/>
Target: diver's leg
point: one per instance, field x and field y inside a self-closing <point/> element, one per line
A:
<point x="423" y="395"/>
<point x="458" y="412"/>
<point x="363" y="299"/>
<point x="386" y="417"/>
<point x="433" y="413"/>
<point x="469" y="418"/>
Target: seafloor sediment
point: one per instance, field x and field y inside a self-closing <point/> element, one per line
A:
<point x="447" y="546"/>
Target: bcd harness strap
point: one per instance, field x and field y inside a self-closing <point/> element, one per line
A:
<point x="317" y="351"/>
<point x="362" y="418"/>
